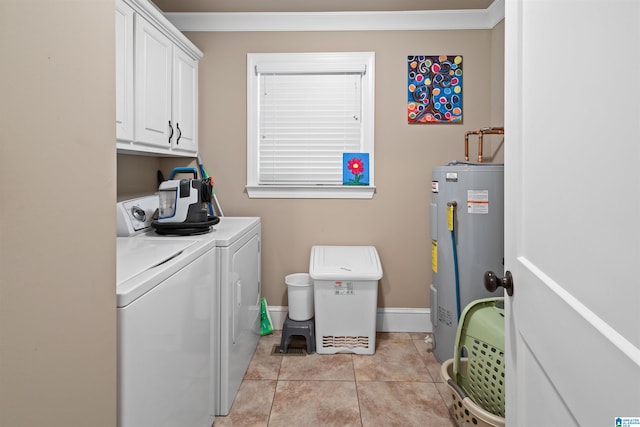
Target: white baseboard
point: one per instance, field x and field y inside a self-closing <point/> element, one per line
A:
<point x="278" y="315"/>
<point x="403" y="320"/>
<point x="387" y="319"/>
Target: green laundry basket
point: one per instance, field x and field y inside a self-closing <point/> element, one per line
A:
<point x="480" y="339"/>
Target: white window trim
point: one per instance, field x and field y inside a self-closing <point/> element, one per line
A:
<point x="310" y="61"/>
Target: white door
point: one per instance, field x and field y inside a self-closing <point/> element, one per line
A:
<point x="185" y="102"/>
<point x="572" y="211"/>
<point x="153" y="59"/>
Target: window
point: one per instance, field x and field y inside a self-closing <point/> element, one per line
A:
<point x="303" y="111"/>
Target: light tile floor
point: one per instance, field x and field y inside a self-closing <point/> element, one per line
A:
<point x="399" y="385"/>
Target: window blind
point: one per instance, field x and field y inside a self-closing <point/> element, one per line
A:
<point x="306" y="122"/>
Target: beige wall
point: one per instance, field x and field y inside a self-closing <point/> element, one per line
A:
<point x="497" y="88"/>
<point x="396" y="220"/>
<point x="138" y="175"/>
<point x="57" y="227"/>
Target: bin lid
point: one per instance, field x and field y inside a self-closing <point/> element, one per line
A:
<point x="345" y="263"/>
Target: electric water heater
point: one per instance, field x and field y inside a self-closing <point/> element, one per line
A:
<point x="467" y="239"/>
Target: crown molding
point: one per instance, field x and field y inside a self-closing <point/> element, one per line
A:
<point x="156" y="18"/>
<point x="420" y="20"/>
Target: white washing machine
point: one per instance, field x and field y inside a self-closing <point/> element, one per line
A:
<point x="235" y="329"/>
<point x="165" y="303"/>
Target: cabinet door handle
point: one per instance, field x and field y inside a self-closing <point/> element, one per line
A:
<point x="171" y="134"/>
<point x="179" y="133"/>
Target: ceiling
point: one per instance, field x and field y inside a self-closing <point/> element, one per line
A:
<point x="316" y="6"/>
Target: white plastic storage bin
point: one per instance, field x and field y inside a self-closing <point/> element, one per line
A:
<point x="345" y="289"/>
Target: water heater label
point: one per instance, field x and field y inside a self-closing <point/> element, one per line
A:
<point x="451" y="176"/>
<point x="478" y="201"/>
<point x="434" y="187"/>
<point x="434" y="256"/>
<point x="445" y="316"/>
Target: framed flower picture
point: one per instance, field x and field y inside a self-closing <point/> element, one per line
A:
<point x="355" y="168"/>
<point x="434" y="89"/>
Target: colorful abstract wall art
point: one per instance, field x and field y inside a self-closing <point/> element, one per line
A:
<point x="355" y="168"/>
<point x="434" y="89"/>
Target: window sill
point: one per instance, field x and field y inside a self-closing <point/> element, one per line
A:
<point x="310" y="191"/>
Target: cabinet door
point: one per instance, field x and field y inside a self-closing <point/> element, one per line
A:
<point x="153" y="59"/>
<point x="124" y="72"/>
<point x="185" y="102"/>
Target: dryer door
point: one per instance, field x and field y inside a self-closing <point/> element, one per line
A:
<point x="245" y="273"/>
<point x="240" y="313"/>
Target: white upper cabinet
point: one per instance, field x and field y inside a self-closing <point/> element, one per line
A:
<point x="124" y="72"/>
<point x="185" y="102"/>
<point x="153" y="86"/>
<point x="165" y="86"/>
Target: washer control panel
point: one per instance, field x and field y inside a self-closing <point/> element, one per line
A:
<point x="135" y="215"/>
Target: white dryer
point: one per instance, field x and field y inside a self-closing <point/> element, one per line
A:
<point x="238" y="244"/>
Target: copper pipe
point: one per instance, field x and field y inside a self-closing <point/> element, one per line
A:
<point x="487" y="131"/>
<point x="466" y="143"/>
<point x="480" y="133"/>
